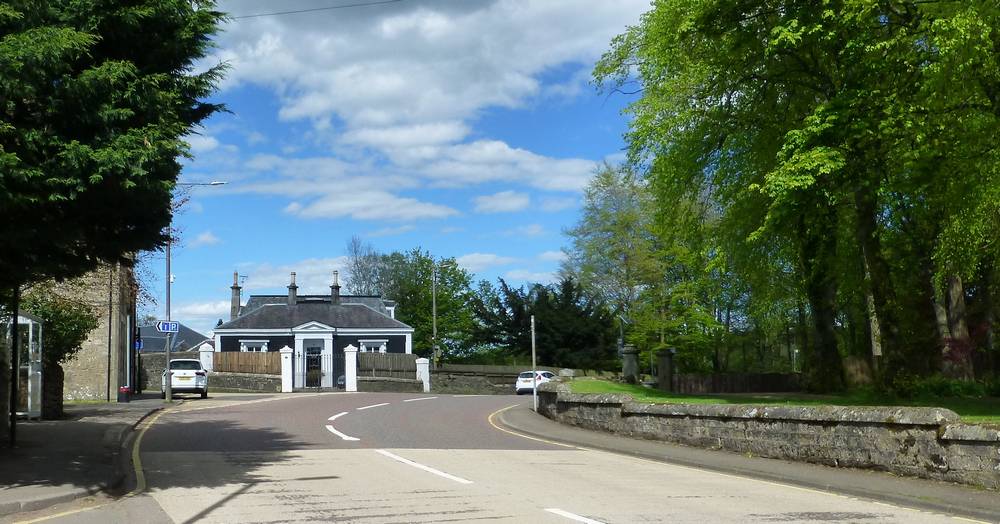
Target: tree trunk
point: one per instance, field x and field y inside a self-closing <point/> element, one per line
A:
<point x="825" y="369"/>
<point x="988" y="318"/>
<point x="52" y="391"/>
<point x="957" y="359"/>
<point x="879" y="276"/>
<point x="4" y="375"/>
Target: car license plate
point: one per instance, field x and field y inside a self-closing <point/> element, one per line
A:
<point x="183" y="378"/>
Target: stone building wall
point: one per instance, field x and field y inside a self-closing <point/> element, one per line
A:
<point x="921" y="442"/>
<point x="100" y="367"/>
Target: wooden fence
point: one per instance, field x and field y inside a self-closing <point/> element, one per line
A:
<point x="268" y="363"/>
<point x="391" y="365"/>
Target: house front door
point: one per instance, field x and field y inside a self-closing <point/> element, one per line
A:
<point x="314" y="367"/>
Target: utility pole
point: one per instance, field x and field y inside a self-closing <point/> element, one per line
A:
<point x="534" y="370"/>
<point x="168" y="396"/>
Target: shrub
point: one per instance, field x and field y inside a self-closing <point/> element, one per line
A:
<point x="910" y="386"/>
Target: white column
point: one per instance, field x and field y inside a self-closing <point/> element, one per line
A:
<point x="327" y="361"/>
<point x="409" y="343"/>
<point x="350" y="368"/>
<point x="286" y="369"/>
<point x="424" y="373"/>
<point x="218" y="342"/>
<point x="206" y="353"/>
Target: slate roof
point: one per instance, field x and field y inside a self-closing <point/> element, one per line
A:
<point x="156" y="342"/>
<point x="373" y="301"/>
<point x="282" y="316"/>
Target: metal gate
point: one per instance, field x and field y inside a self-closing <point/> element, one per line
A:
<point x="315" y="370"/>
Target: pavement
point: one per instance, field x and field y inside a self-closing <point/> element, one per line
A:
<point x="57" y="461"/>
<point x="930" y="495"/>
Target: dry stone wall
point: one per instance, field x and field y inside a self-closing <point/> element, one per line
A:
<point x="920" y="442"/>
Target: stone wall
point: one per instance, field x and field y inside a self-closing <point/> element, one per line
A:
<point x="468" y="384"/>
<point x="224" y="381"/>
<point x="920" y="442"/>
<point x="388" y="384"/>
<point x="151" y="366"/>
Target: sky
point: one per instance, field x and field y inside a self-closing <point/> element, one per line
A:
<point x="467" y="128"/>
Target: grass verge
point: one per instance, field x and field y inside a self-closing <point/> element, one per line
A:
<point x="984" y="410"/>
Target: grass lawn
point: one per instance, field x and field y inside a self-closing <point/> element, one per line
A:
<point x="972" y="410"/>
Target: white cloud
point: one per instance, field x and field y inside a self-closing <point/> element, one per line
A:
<point x="372" y="205"/>
<point x="202" y="316"/>
<point x="201" y="143"/>
<point x="255" y="137"/>
<point x="552" y="256"/>
<point x="476" y="262"/>
<point x="206" y="238"/>
<point x="390" y="231"/>
<point x="502" y="202"/>
<point x="554" y="204"/>
<point x="530" y="230"/>
<point x="528" y="276"/>
<point x="312" y="275"/>
<point x="389" y="81"/>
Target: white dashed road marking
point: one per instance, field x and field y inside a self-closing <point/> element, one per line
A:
<point x="572" y="516"/>
<point x="373" y="406"/>
<point x="333" y="430"/>
<point x="416" y="399"/>
<point x="428" y="469"/>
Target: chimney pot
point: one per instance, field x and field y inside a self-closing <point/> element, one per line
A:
<point x="335" y="288"/>
<point x="293" y="291"/>
<point x="234" y="306"/>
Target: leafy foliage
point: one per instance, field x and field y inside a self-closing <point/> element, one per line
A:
<point x="66" y="322"/>
<point x="573" y="328"/>
<point x="96" y="99"/>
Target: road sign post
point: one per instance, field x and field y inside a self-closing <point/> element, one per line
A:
<point x="168" y="327"/>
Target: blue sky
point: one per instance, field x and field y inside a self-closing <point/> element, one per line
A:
<point x="467" y="128"/>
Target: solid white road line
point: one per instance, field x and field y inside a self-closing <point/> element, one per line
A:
<point x="416" y="399"/>
<point x="373" y="406"/>
<point x="428" y="469"/>
<point x="572" y="516"/>
<point x="333" y="430"/>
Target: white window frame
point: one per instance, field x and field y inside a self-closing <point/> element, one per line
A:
<point x="261" y="343"/>
<point x="372" y="345"/>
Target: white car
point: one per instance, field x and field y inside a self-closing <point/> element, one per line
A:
<point x="187" y="377"/>
<point x="524" y="384"/>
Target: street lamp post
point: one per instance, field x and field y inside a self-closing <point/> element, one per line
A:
<point x="434" y="318"/>
<point x="167" y="389"/>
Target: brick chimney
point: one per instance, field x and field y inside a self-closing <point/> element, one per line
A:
<point x="335" y="288"/>
<point x="234" y="308"/>
<point x="293" y="291"/>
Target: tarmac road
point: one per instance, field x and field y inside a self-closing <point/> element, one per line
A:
<point x="382" y="457"/>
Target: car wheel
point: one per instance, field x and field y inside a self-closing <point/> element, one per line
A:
<point x="163" y="394"/>
<point x="204" y="393"/>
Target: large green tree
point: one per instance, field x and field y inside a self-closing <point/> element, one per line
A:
<point x="832" y="141"/>
<point x="95" y="100"/>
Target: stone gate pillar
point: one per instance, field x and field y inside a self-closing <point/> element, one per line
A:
<point x="630" y="364"/>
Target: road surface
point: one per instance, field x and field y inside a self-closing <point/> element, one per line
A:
<point x="400" y="458"/>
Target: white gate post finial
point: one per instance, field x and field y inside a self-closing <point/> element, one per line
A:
<point x="350" y="368"/>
